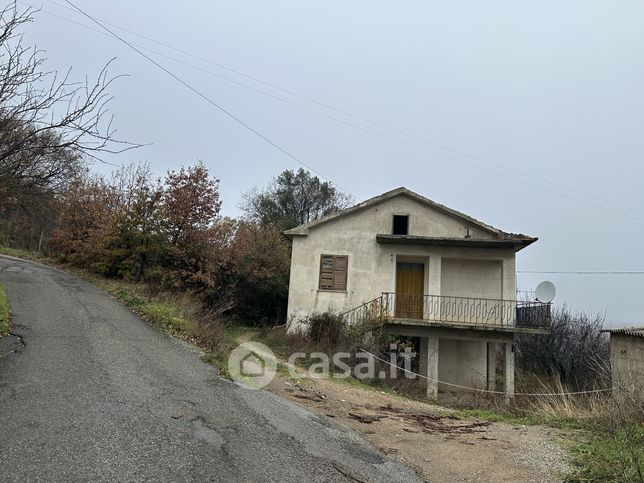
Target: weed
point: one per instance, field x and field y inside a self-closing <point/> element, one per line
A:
<point x="4" y="312"/>
<point x="27" y="255"/>
<point x="610" y="456"/>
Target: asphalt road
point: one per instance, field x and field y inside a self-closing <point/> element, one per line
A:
<point x="97" y="394"/>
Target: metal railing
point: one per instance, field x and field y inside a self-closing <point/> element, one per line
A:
<point x="452" y="310"/>
<point x="368" y="311"/>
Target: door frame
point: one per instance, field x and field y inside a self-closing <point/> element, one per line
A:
<point x="409" y="307"/>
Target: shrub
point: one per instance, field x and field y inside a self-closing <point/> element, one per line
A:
<point x="255" y="273"/>
<point x="575" y="352"/>
<point x="327" y="330"/>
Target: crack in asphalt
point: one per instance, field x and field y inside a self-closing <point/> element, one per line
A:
<point x="100" y="394"/>
<point x="11" y="343"/>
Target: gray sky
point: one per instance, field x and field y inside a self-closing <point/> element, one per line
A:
<point x="551" y="89"/>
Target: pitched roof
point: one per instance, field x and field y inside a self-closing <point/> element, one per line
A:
<point x="634" y="331"/>
<point x="303" y="230"/>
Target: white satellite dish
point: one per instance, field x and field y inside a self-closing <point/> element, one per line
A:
<point x="545" y="292"/>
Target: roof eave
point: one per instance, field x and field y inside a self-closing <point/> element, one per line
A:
<point x="517" y="244"/>
<point x="293" y="232"/>
<point x="630" y="331"/>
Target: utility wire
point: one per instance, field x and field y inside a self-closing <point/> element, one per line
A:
<point x="473" y="389"/>
<point x="583" y="272"/>
<point x="366" y="120"/>
<point x="207" y="99"/>
<point x="138" y="48"/>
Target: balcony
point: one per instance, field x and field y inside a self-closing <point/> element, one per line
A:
<point x="453" y="311"/>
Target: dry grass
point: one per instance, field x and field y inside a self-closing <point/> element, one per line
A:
<point x="4" y="312"/>
<point x="609" y="426"/>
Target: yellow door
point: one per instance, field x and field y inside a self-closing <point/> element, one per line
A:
<point x="409" y="290"/>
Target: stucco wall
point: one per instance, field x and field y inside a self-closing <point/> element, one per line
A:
<point x="472" y="278"/>
<point x="627" y="362"/>
<point x="372" y="266"/>
<point x="462" y="362"/>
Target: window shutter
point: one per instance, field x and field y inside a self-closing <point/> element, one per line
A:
<point x="333" y="272"/>
<point x="340" y="273"/>
<point x="326" y="272"/>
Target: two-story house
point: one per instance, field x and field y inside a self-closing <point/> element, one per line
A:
<point x="427" y="271"/>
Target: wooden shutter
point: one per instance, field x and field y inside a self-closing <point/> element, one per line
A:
<point x="326" y="272"/>
<point x="340" y="272"/>
<point x="333" y="272"/>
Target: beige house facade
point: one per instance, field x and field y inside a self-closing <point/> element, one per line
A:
<point x="428" y="271"/>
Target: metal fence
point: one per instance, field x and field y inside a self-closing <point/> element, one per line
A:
<point x="454" y="310"/>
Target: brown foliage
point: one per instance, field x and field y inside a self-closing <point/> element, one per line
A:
<point x="169" y="234"/>
<point x="49" y="126"/>
<point x="256" y="272"/>
<point x="84" y="211"/>
<point x="191" y="208"/>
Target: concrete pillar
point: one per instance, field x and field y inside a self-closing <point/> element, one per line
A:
<point x="491" y="366"/>
<point x="428" y="364"/>
<point x="509" y="281"/>
<point x="434" y="275"/>
<point x="431" y="307"/>
<point x="509" y="370"/>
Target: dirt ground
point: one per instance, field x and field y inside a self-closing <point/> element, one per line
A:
<point x="430" y="438"/>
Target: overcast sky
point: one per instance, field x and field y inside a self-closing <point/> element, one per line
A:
<point x="550" y="89"/>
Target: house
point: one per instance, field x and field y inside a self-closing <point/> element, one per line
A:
<point x="427" y="271"/>
<point x="627" y="360"/>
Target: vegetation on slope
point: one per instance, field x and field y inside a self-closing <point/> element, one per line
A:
<point x="4" y="312"/>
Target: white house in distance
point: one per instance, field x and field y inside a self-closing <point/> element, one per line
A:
<point x="427" y="271"/>
<point x="627" y="360"/>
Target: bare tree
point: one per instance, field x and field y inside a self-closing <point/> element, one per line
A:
<point x="575" y="350"/>
<point x="48" y="123"/>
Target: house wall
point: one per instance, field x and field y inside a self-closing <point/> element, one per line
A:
<point x="462" y="362"/>
<point x="627" y="362"/>
<point x="372" y="266"/>
<point x="472" y="278"/>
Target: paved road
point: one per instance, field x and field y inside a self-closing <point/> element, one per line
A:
<point x="97" y="394"/>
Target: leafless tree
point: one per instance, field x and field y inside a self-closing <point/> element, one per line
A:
<point x="575" y="350"/>
<point x="48" y="123"/>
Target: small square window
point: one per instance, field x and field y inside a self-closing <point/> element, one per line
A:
<point x="401" y="225"/>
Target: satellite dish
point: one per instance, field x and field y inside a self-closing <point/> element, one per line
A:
<point x="545" y="292"/>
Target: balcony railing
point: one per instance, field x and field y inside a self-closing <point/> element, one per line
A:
<point x="476" y="312"/>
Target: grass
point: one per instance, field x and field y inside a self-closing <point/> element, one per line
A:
<point x="529" y="417"/>
<point x="162" y="313"/>
<point x="25" y="254"/>
<point x="610" y="456"/>
<point x="600" y="452"/>
<point x="4" y="312"/>
<point x="608" y="439"/>
<point x="178" y="314"/>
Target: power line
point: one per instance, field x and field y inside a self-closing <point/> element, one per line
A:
<point x="433" y="153"/>
<point x="207" y="99"/>
<point x="366" y="120"/>
<point x="583" y="272"/>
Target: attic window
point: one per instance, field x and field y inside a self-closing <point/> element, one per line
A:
<point x="401" y="225"/>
